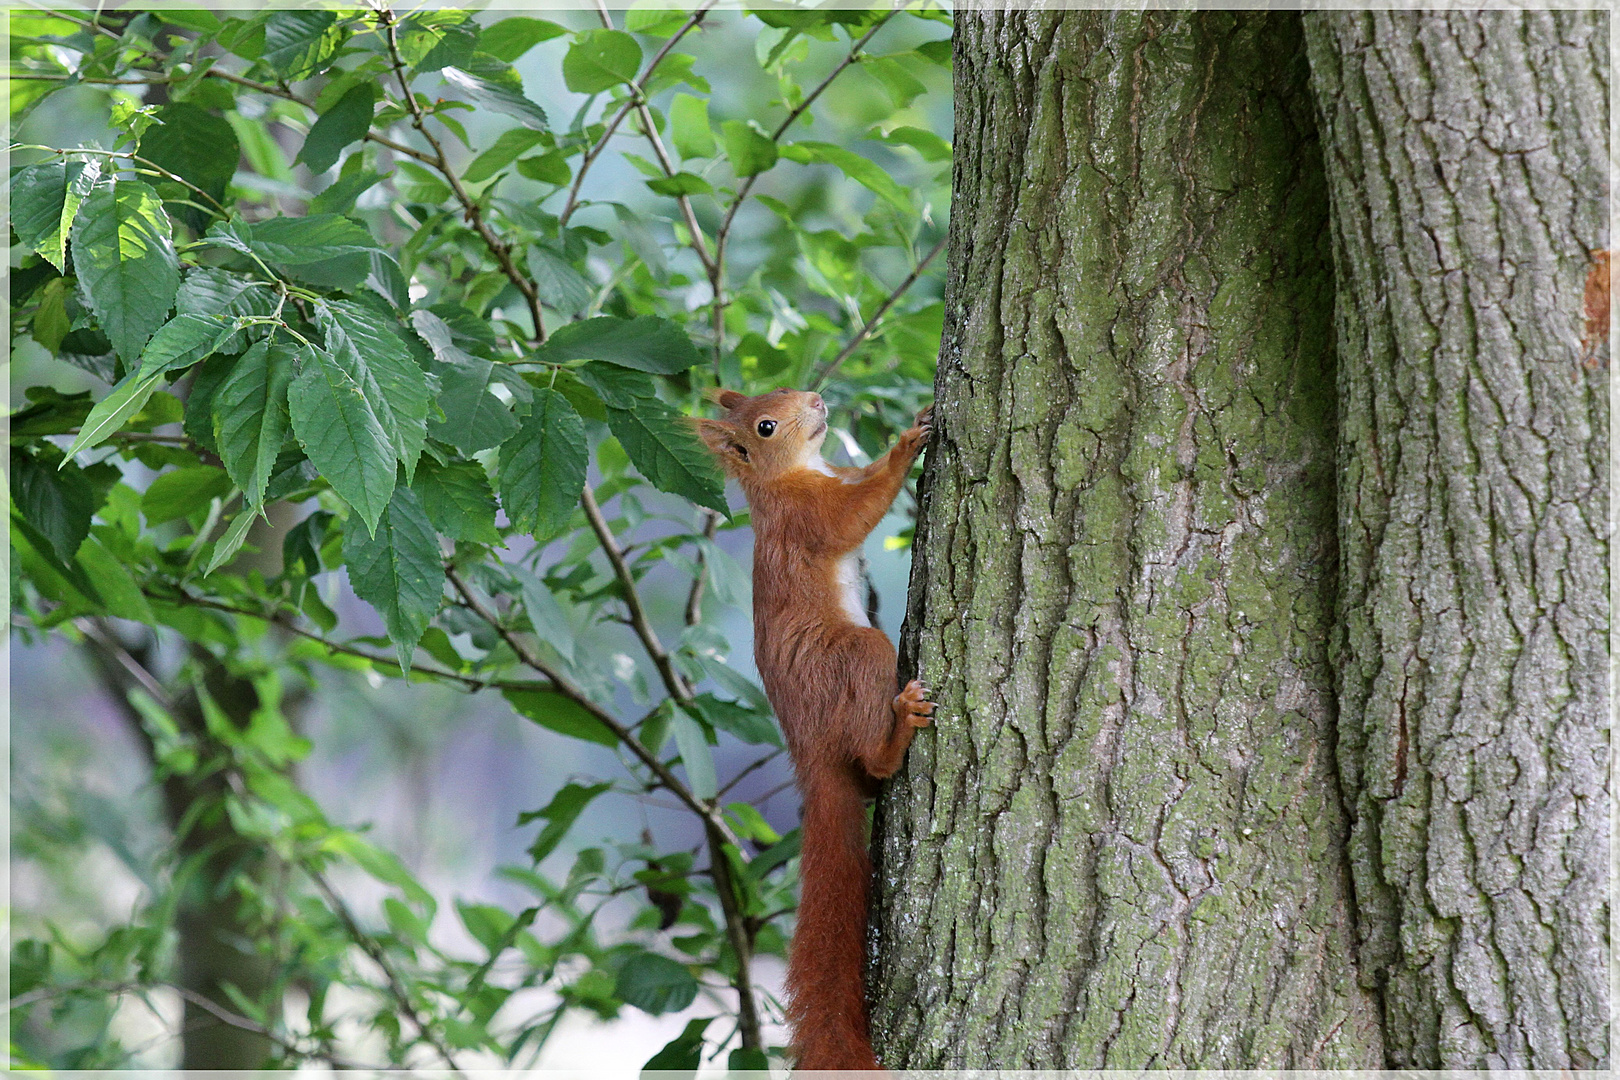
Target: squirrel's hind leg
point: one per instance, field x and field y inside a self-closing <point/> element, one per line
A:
<point x="880" y="722"/>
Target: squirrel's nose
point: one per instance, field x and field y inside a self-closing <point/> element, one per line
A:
<point x="816" y="402"/>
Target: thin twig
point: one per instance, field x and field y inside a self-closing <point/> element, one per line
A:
<point x="396" y="986"/>
<point x="694" y="599"/>
<point x="865" y="331"/>
<point x="724" y="232"/>
<point x="637" y="94"/>
<point x="474" y="214"/>
<point x="758" y="763"/>
<point x="672" y="679"/>
<point x="650" y="130"/>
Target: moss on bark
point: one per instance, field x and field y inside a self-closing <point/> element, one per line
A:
<point x="1123" y="844"/>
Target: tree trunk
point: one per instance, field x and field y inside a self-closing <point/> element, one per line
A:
<point x="1467" y="155"/>
<point x="1123" y="844"/>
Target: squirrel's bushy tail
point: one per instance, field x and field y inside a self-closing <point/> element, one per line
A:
<point x="826" y="985"/>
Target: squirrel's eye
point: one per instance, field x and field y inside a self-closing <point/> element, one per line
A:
<point x="766" y="428"/>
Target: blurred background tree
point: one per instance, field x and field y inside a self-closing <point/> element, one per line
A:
<point x="380" y="698"/>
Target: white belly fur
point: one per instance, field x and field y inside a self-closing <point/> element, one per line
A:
<point x="849" y="589"/>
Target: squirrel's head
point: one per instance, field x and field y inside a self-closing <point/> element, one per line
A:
<point x="765" y="436"/>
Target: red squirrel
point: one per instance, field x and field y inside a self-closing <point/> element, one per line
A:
<point x="830" y="675"/>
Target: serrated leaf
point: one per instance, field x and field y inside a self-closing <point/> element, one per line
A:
<point x="58" y="502"/>
<point x="123" y="402"/>
<point x="398" y="571"/>
<point x="543" y="465"/>
<point x="684" y="1052"/>
<point x="250" y="417"/>
<point x="197" y="146"/>
<point x="45" y="200"/>
<point x="126" y="263"/>
<point x="493" y="83"/>
<point x="748" y="151"/>
<point x="207" y="291"/>
<point x="561" y="287"/>
<point x="457" y="499"/>
<point x="646" y="343"/>
<point x="372" y="346"/>
<point x="689" y="125"/>
<point x="663" y="448"/>
<point x="180" y="492"/>
<point x="321" y="249"/>
<point x="474" y="418"/>
<point x="340" y="431"/>
<point x="297" y="44"/>
<point x="562" y="715"/>
<point x="183" y="341"/>
<point x="511" y="144"/>
<point x="511" y="38"/>
<point x="454" y="45"/>
<point x="655" y="984"/>
<point x="600" y="60"/>
<point x="560" y="814"/>
<point x="681" y="183"/>
<point x="226" y="547"/>
<point x="345" y="122"/>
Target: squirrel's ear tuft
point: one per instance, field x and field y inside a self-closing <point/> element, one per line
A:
<point x="726" y="399"/>
<point x="721" y="439"/>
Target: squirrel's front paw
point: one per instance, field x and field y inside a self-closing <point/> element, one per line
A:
<point x="911" y="705"/>
<point x="925" y="417"/>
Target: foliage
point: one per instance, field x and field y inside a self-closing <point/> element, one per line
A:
<point x="414" y="311"/>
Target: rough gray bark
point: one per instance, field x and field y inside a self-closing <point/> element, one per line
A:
<point x="1122" y="844"/>
<point x="1468" y="160"/>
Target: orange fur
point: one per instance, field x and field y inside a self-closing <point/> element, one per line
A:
<point x="831" y="679"/>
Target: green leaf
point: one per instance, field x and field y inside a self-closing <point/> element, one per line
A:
<point x="474" y="418"/>
<point x="57" y="501"/>
<point x="382" y="865"/>
<point x="321" y="249"/>
<point x="657" y="18"/>
<point x="110" y="412"/>
<point x="197" y="146"/>
<point x="747" y="1059"/>
<point x="176" y="494"/>
<point x="51" y="323"/>
<point x="340" y="197"/>
<point x="749" y="725"/>
<point x="600" y="60"/>
<point x="543" y="466"/>
<point x="344" y="123"/>
<point x="457" y="499"/>
<point x="646" y="343"/>
<point x="695" y="754"/>
<point x="297" y="44"/>
<point x="340" y="431"/>
<point x="398" y="570"/>
<point x="681" y="183"/>
<point x="655" y="984"/>
<point x="512" y="143"/>
<point x="663" y="448"/>
<point x="454" y="45"/>
<point x="371" y="345"/>
<point x="495" y="84"/>
<point x="228" y="545"/>
<point x="251" y="418"/>
<point x="866" y="173"/>
<point x="549" y="168"/>
<point x="684" y="1052"/>
<point x="561" y="287"/>
<point x="562" y="715"/>
<point x="183" y="341"/>
<point x="748" y="150"/>
<point x="45" y="200"/>
<point x="511" y="38"/>
<point x="689" y="123"/>
<point x="926" y="143"/>
<point x="207" y="291"/>
<point x="902" y="85"/>
<point x="546" y="615"/>
<point x="559" y="815"/>
<point x="126" y="263"/>
<point x="121" y="595"/>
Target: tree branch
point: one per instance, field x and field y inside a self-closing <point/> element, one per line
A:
<point x="865" y="332"/>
